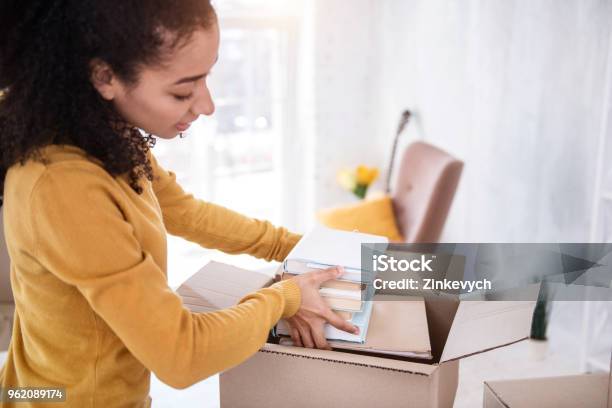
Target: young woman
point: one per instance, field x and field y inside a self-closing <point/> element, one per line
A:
<point x="87" y="206"/>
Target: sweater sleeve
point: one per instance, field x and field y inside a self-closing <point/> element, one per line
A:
<point x="214" y="226"/>
<point x="81" y="236"/>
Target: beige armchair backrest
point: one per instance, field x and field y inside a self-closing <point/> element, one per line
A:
<point x="425" y="188"/>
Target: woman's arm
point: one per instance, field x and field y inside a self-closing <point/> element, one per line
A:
<point x="81" y="236"/>
<point x="214" y="226"/>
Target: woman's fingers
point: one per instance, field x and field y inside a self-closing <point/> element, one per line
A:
<point x="308" y="323"/>
<point x="340" y="323"/>
<point x="295" y="337"/>
<point x="328" y="314"/>
<point x="329" y="274"/>
<point x="318" y="336"/>
<point x="304" y="331"/>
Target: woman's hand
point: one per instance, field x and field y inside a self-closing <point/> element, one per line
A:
<point x="307" y="324"/>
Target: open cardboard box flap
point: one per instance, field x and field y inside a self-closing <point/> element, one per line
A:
<point x="457" y="328"/>
<point x="485" y="325"/>
<point x="219" y="286"/>
<point x="478" y="325"/>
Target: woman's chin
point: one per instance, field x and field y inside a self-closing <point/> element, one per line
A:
<point x="168" y="134"/>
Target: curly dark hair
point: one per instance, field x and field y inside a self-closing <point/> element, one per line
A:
<point x="46" y="47"/>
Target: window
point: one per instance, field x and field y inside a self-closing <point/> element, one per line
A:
<point x="234" y="158"/>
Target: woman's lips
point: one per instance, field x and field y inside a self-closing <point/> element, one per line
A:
<point x="181" y="127"/>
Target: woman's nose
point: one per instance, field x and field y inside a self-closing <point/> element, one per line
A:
<point x="203" y="105"/>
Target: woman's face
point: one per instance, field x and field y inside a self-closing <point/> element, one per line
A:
<point x="168" y="97"/>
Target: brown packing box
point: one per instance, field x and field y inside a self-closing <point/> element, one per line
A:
<point x="7" y="306"/>
<point x="6" y="325"/>
<point x="585" y="391"/>
<point x="283" y="376"/>
<point x="6" y="295"/>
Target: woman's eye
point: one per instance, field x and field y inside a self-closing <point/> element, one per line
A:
<point x="182" y="97"/>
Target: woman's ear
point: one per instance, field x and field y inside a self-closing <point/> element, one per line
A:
<point x="103" y="78"/>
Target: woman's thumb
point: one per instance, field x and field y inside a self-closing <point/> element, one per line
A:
<point x="330" y="273"/>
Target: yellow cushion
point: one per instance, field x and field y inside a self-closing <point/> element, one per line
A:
<point x="372" y="216"/>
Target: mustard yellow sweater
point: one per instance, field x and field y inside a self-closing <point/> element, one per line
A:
<point x="94" y="312"/>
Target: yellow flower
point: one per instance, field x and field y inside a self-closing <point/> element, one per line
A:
<point x="346" y="178"/>
<point x="366" y="175"/>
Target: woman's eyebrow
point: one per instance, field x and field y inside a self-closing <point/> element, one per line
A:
<point x="189" y="79"/>
<point x="195" y="77"/>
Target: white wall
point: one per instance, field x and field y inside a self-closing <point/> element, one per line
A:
<point x="514" y="88"/>
<point x="345" y="57"/>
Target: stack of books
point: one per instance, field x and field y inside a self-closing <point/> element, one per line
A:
<point x="397" y="327"/>
<point x="351" y="294"/>
<point x="346" y="297"/>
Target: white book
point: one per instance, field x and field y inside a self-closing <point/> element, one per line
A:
<point x="359" y="319"/>
<point x="324" y="247"/>
<point x="340" y="293"/>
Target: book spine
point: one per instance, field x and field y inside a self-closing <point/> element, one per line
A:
<point x="299" y="266"/>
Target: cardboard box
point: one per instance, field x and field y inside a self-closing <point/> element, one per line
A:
<point x="6" y="324"/>
<point x="283" y="376"/>
<point x="6" y="295"/>
<point x="585" y="391"/>
<point x="610" y="385"/>
<point x="7" y="307"/>
<point x="279" y="376"/>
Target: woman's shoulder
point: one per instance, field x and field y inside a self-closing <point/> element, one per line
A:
<point x="57" y="156"/>
<point x="66" y="168"/>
